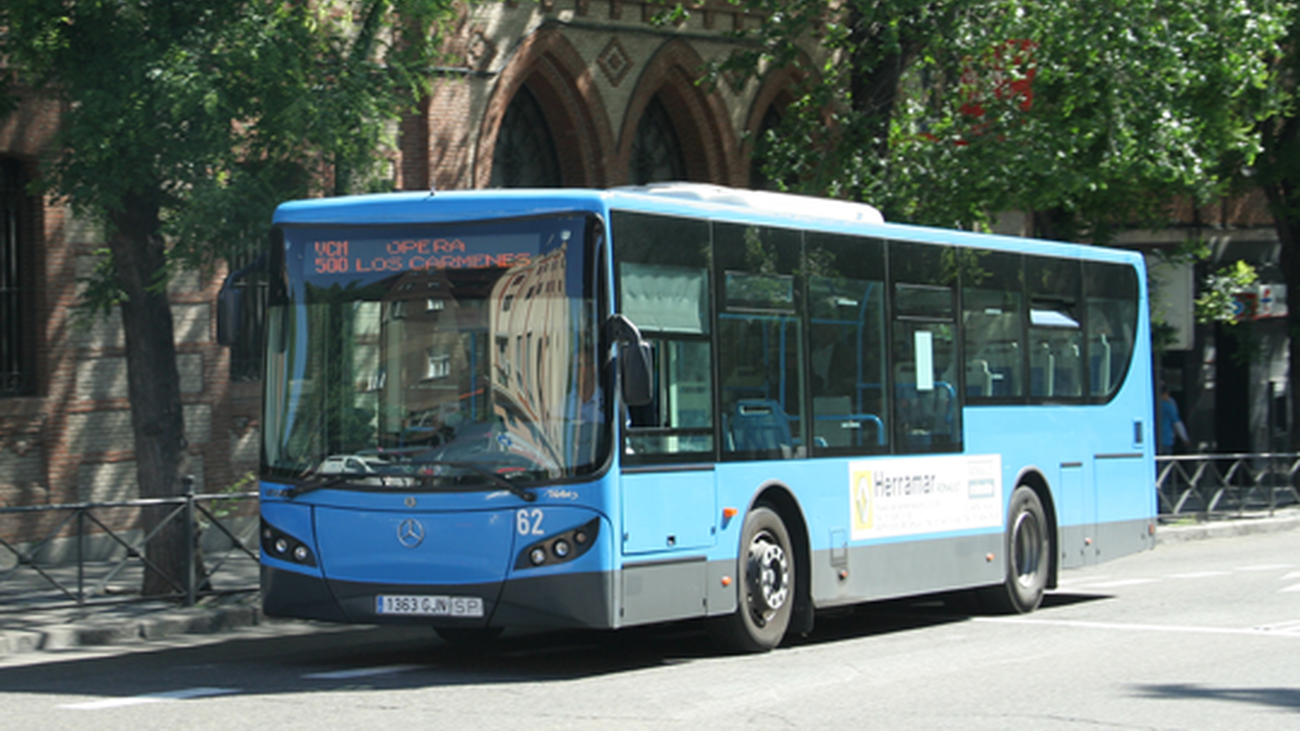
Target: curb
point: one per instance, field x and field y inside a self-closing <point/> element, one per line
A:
<point x="1250" y="524"/>
<point x="63" y="630"/>
<point x="63" y="633"/>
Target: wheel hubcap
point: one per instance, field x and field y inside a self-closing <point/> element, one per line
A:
<point x="769" y="571"/>
<point x="1027" y="549"/>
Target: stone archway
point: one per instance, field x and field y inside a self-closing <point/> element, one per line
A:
<point x="556" y="77"/>
<point x="777" y="91"/>
<point x="709" y="146"/>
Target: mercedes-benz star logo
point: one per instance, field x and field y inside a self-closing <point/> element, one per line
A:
<point x="410" y="533"/>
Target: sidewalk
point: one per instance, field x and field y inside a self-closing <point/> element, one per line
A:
<point x="52" y="630"/>
<point x="36" y="615"/>
<point x="1189" y="529"/>
<point x="36" y="629"/>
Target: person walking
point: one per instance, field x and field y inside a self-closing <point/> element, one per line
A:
<point x="1169" y="424"/>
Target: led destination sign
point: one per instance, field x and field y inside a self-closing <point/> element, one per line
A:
<point x="371" y="256"/>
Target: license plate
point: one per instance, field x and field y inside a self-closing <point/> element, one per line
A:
<point x="429" y="606"/>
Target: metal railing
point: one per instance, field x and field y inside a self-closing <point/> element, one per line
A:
<point x="94" y="553"/>
<point x="1226" y="485"/>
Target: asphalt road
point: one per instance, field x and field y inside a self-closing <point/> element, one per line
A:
<point x="1196" y="635"/>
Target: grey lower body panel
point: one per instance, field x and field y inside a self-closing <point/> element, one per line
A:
<point x="1124" y="538"/>
<point x="562" y="600"/>
<point x="291" y="594"/>
<point x="688" y="587"/>
<point x="661" y="591"/>
<point x="1084" y="545"/>
<point x="891" y="570"/>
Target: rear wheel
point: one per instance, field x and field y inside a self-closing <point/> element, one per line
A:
<point x="765" y="589"/>
<point x="1028" y="551"/>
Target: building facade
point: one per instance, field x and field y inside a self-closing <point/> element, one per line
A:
<point x="550" y="93"/>
<point x="554" y="93"/>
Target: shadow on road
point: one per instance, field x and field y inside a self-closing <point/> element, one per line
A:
<point x="1287" y="698"/>
<point x="294" y="658"/>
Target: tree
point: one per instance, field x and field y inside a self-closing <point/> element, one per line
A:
<point x="185" y="124"/>
<point x="1090" y="114"/>
<point x="1277" y="172"/>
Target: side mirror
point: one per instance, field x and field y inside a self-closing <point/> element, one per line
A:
<point x="636" y="361"/>
<point x="230" y="312"/>
<point x="636" y="373"/>
<point x="230" y="303"/>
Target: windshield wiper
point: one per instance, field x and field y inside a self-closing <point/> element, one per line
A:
<point x="337" y="480"/>
<point x="492" y="477"/>
<point x="516" y="490"/>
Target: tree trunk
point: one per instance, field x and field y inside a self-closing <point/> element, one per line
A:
<point x="1286" y="225"/>
<point x="139" y="258"/>
<point x="1286" y="221"/>
<point x="1278" y="174"/>
<point x="876" y="75"/>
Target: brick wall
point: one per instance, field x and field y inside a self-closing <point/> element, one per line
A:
<point x="72" y="440"/>
<point x="592" y="65"/>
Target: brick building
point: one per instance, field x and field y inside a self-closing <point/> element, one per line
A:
<point x="556" y="93"/>
<point x="553" y="93"/>
<point x="65" y="429"/>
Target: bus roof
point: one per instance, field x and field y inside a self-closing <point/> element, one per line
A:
<point x="675" y="199"/>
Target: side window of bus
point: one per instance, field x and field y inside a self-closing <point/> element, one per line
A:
<point x="661" y="264"/>
<point x="1112" y="295"/>
<point x="847" y="342"/>
<point x="1056" y="364"/>
<point x="993" y="306"/>
<point x="760" y="333"/>
<point x="927" y="407"/>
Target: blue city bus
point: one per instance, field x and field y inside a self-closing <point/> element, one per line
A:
<point x="606" y="408"/>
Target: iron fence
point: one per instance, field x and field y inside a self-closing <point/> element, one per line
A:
<point x="1226" y="485"/>
<point x="94" y="553"/>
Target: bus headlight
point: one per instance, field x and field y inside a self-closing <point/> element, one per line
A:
<point x="559" y="548"/>
<point x="280" y="545"/>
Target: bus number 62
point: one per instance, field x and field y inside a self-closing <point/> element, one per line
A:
<point x="529" y="522"/>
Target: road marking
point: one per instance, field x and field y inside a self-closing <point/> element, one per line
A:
<point x="1177" y="629"/>
<point x="1292" y="575"/>
<point x="1121" y="582"/>
<point x="1289" y="588"/>
<point x="1267" y="567"/>
<point x="1080" y="581"/>
<point x="1286" y="628"/>
<point x="362" y="672"/>
<point x="174" y="695"/>
<point x="1198" y="575"/>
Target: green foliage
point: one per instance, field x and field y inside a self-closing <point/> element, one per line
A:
<point x="1097" y="111"/>
<point x="1277" y="170"/>
<point x="224" y="507"/>
<point x="1217" y="302"/>
<point x="211" y="112"/>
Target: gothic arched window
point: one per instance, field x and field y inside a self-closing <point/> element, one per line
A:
<point x="525" y="155"/>
<point x="656" y="152"/>
<point x="758" y="179"/>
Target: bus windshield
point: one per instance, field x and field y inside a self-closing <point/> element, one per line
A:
<point x="435" y="356"/>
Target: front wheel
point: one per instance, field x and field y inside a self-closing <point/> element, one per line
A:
<point x="1028" y="551"/>
<point x="765" y="590"/>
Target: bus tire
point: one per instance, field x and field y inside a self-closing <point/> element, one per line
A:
<point x="1028" y="551"/>
<point x="765" y="589"/>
